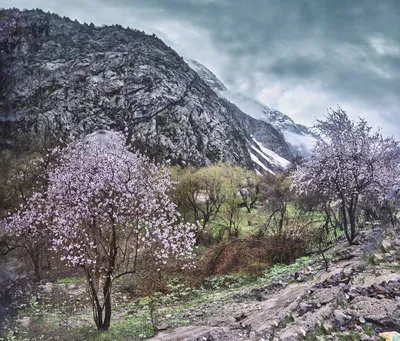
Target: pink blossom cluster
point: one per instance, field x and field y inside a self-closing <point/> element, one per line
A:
<point x="350" y="163"/>
<point x="104" y="206"/>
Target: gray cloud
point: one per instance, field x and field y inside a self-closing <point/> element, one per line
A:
<point x="299" y="56"/>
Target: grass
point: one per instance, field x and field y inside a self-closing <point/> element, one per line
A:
<point x="249" y="223"/>
<point x="134" y="320"/>
<point x="67" y="280"/>
<point x="129" y="328"/>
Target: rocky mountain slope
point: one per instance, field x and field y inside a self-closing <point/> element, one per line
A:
<point x="298" y="137"/>
<point x="73" y="79"/>
<point x="69" y="79"/>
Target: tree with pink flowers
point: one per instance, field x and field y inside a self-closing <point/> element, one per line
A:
<point x="104" y="208"/>
<point x="349" y="165"/>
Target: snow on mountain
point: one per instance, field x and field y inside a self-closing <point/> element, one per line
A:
<point x="70" y="80"/>
<point x="270" y="156"/>
<point x="208" y="77"/>
<point x="301" y="143"/>
<point x="299" y="138"/>
<point x="255" y="159"/>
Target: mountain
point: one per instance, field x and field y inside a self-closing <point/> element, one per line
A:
<point x="68" y="80"/>
<point x="299" y="138"/>
<point x="74" y="79"/>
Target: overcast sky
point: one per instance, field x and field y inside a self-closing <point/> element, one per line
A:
<point x="298" y="56"/>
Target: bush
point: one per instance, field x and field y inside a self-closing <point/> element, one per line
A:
<point x="252" y="255"/>
<point x="290" y="244"/>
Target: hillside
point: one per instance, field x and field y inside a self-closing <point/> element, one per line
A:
<point x="357" y="298"/>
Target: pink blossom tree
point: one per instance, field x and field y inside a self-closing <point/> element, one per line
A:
<point x="349" y="164"/>
<point x="105" y="207"/>
<point x="29" y="231"/>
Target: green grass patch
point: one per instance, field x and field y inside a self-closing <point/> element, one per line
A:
<point x="130" y="327"/>
<point x="66" y="280"/>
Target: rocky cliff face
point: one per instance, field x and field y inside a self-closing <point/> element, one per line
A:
<point x="69" y="79"/>
<point x="73" y="79"/>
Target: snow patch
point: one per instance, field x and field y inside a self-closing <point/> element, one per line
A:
<point x="270" y="156"/>
<point x="255" y="159"/>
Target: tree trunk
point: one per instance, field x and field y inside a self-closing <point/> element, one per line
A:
<point x="98" y="315"/>
<point x="345" y="223"/>
<point x="107" y="304"/>
<point x="352" y="221"/>
<point x="37" y="269"/>
<point x="35" y="257"/>
<point x="100" y="311"/>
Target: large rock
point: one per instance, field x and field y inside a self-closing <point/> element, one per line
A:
<point x="384" y="312"/>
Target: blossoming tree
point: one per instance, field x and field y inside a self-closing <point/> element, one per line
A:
<point x="105" y="207"/>
<point x="349" y="164"/>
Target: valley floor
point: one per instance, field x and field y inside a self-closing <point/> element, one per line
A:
<point x="357" y="298"/>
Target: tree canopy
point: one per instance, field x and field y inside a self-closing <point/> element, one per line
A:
<point x="349" y="164"/>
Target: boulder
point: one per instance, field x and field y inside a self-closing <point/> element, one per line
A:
<point x="385" y="312"/>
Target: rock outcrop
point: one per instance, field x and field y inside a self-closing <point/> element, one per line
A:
<point x="72" y="79"/>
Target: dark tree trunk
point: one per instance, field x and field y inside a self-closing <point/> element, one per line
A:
<point x="35" y="257"/>
<point x="353" y="223"/>
<point x="345" y="223"/>
<point x="98" y="316"/>
<point x="102" y="313"/>
<point x="37" y="275"/>
<point x="107" y="304"/>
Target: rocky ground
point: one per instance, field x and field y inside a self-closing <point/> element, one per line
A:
<point x="356" y="299"/>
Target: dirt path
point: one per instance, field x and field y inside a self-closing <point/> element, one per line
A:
<point x="332" y="302"/>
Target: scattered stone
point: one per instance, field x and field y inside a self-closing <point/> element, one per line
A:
<point x="348" y="271"/>
<point x="340" y="317"/>
<point x="335" y="280"/>
<point x="304" y="307"/>
<point x="380" y="288"/>
<point x="327" y="327"/>
<point x="378" y="258"/>
<point x="163" y="326"/>
<point x="348" y="253"/>
<point x="25" y="321"/>
<point x="386" y="245"/>
<point x="382" y="312"/>
<point x="241" y="317"/>
<point x="48" y="287"/>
